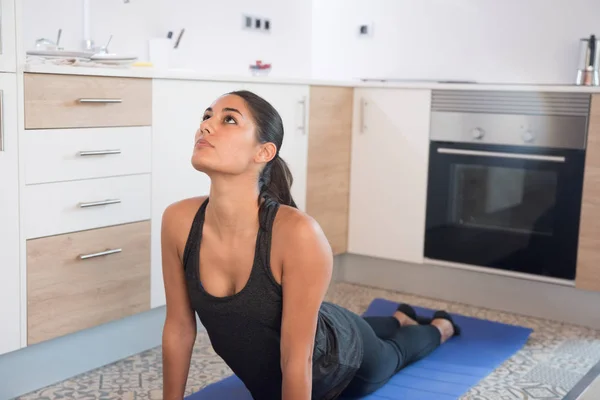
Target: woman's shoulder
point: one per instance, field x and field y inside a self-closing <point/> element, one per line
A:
<point x="292" y="221"/>
<point x="178" y="217"/>
<point x="292" y="225"/>
<point x="183" y="209"/>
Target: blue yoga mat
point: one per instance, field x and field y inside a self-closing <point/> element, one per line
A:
<point x="446" y="374"/>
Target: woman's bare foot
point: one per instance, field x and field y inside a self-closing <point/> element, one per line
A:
<point x="404" y="319"/>
<point x="445" y="327"/>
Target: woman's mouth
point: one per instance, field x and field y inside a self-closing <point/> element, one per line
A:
<point x="203" y="143"/>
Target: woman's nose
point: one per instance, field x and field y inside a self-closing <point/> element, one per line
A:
<point x="205" y="128"/>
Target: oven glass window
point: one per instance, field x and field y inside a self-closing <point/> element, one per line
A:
<point x="501" y="198"/>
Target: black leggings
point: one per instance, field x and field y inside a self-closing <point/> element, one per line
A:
<point x="388" y="348"/>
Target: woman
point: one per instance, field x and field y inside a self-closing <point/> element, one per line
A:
<point x="256" y="269"/>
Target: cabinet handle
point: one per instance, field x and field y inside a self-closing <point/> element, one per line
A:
<point x="101" y="101"/>
<point x="303" y="124"/>
<point x="98" y="152"/>
<point x="2" y="121"/>
<point x="363" y="104"/>
<point x="99" y="203"/>
<point x="99" y="254"/>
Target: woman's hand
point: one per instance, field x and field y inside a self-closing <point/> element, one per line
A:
<point x="306" y="274"/>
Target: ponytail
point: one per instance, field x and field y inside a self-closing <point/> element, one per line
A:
<point x="275" y="182"/>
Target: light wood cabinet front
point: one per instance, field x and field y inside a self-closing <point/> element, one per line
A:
<point x="81" y="280"/>
<point x="588" y="256"/>
<point x="74" y="101"/>
<point x="329" y="147"/>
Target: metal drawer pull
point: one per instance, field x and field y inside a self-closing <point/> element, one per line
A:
<point x="98" y="152"/>
<point x="363" y="105"/>
<point x="100" y="254"/>
<point x="102" y="101"/>
<point x="99" y="203"/>
<point x="302" y="127"/>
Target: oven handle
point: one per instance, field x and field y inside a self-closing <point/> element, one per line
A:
<point x="537" y="157"/>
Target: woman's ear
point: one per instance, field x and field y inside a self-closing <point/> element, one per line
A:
<point x="266" y="153"/>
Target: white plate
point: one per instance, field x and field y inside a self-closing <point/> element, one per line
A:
<point x="60" y="53"/>
<point x="112" y="57"/>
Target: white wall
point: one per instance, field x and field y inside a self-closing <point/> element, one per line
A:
<point x="130" y="24"/>
<point x="213" y="42"/>
<point x="522" y="41"/>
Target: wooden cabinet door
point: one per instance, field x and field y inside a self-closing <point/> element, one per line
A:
<point x="588" y="255"/>
<point x="329" y="146"/>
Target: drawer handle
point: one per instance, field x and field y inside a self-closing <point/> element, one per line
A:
<point x="101" y="101"/>
<point x="98" y="152"/>
<point x="99" y="254"/>
<point x="99" y="203"/>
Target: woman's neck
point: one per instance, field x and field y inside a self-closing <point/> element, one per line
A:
<point x="233" y="206"/>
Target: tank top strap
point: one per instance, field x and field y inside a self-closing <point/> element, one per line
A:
<point x="262" y="259"/>
<point x="192" y="245"/>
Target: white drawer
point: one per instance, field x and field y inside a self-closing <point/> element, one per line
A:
<point x="68" y="154"/>
<point x="56" y="208"/>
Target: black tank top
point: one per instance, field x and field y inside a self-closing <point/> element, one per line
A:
<point x="244" y="328"/>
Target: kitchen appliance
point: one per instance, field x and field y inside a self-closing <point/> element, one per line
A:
<point x="505" y="181"/>
<point x="589" y="62"/>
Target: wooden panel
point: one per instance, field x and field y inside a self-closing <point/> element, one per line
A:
<point x="66" y="294"/>
<point x="588" y="257"/>
<point x="52" y="101"/>
<point x="329" y="147"/>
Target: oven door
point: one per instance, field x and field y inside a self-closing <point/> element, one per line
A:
<point x="514" y="208"/>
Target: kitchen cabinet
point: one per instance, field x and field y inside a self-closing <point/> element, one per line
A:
<point x="8" y="54"/>
<point x="388" y="178"/>
<point x="85" y="203"/>
<point x="80" y="280"/>
<point x="78" y="101"/>
<point x="178" y="106"/>
<point x="328" y="179"/>
<point x="292" y="103"/>
<point x="10" y="294"/>
<point x="588" y="255"/>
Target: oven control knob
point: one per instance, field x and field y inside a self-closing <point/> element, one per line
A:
<point x="477" y="133"/>
<point x="528" y="137"/>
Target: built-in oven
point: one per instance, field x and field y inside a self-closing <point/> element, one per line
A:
<point x="505" y="181"/>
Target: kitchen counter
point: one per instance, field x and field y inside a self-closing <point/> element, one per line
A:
<point x="187" y="74"/>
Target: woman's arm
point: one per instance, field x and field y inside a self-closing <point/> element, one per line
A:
<point x="179" y="332"/>
<point x="306" y="273"/>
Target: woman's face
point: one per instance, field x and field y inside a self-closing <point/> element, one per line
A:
<point x="226" y="140"/>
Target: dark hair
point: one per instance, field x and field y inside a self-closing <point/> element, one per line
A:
<point x="275" y="180"/>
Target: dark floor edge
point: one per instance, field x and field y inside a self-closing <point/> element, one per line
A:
<point x="583" y="383"/>
<point x="47" y="363"/>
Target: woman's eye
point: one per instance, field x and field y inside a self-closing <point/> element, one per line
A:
<point x="204" y="118"/>
<point x="230" y="120"/>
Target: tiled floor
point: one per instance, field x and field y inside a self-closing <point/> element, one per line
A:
<point x="555" y="358"/>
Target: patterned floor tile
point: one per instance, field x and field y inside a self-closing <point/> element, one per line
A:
<point x="555" y="358"/>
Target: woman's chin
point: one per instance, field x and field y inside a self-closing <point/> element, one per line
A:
<point x="200" y="164"/>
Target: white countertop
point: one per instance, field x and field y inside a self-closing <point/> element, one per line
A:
<point x="183" y="74"/>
